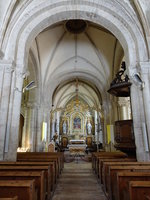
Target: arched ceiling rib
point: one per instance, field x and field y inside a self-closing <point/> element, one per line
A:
<point x="76" y="89"/>
<point x="90" y="53"/>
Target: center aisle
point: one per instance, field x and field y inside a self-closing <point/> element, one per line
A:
<point x="78" y="182"/>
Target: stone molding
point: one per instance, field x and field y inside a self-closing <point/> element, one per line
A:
<point x="145" y="67"/>
<point x="59" y="9"/>
<point x="8" y="66"/>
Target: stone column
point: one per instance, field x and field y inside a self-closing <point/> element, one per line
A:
<point x="96" y="125"/>
<point x="1" y="54"/>
<point x="53" y="125"/>
<point x="42" y="116"/>
<point x="145" y="76"/>
<point x="39" y="127"/>
<point x="100" y="129"/>
<point x="6" y="73"/>
<point x="14" y="114"/>
<point x="139" y="105"/>
<point x="25" y="127"/>
<point x="32" y="127"/>
<point x="58" y="121"/>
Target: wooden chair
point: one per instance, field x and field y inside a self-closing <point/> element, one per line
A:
<point x="64" y="142"/>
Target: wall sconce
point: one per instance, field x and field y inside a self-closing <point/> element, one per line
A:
<point x="138" y="81"/>
<point x="29" y="86"/>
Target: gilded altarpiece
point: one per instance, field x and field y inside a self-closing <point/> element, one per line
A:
<point x="74" y="118"/>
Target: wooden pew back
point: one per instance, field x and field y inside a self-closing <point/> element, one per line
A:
<point x="112" y="176"/>
<point x="53" y="174"/>
<point x="13" y="198"/>
<point x="24" y="189"/>
<point x="105" y="170"/>
<point x="39" y="178"/>
<point x="139" y="190"/>
<point x="123" y="179"/>
<point x="31" y="169"/>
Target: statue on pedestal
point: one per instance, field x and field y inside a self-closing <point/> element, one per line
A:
<point x="64" y="127"/>
<point x="89" y="128"/>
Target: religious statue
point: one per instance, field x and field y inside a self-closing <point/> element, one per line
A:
<point x="64" y="127"/>
<point x="55" y="137"/>
<point x="89" y="128"/>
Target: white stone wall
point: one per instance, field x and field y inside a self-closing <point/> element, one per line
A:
<point x="32" y="17"/>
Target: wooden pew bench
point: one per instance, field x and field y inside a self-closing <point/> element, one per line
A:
<point x="24" y="189"/>
<point x="112" y="177"/>
<point x="53" y="175"/>
<point x="117" y="160"/>
<point x="124" y="178"/>
<point x="139" y="190"/>
<point x="97" y="155"/>
<point x="23" y="157"/>
<point x="39" y="178"/>
<point x="105" y="170"/>
<point x="32" y="169"/>
<point x="57" y="156"/>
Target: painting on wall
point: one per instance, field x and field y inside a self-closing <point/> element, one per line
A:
<point x="77" y="123"/>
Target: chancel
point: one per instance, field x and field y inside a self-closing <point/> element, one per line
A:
<point x="75" y="86"/>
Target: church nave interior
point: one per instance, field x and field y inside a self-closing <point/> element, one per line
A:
<point x="74" y="99"/>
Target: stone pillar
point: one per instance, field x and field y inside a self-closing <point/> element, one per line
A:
<point x="29" y="129"/>
<point x="145" y="76"/>
<point x="1" y="54"/>
<point x="58" y="121"/>
<point x="43" y="115"/>
<point x="39" y="127"/>
<point x="139" y="102"/>
<point x="14" y="114"/>
<point x="24" y="127"/>
<point x="53" y="125"/>
<point x="100" y="129"/>
<point x="32" y="130"/>
<point x="96" y="126"/>
<point x="6" y="73"/>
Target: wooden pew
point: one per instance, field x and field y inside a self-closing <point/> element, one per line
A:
<point x="53" y="175"/>
<point x="103" y="160"/>
<point x="56" y="156"/>
<point x="112" y="177"/>
<point x="123" y="179"/>
<point x="31" y="169"/>
<point x="40" y="157"/>
<point x="13" y="198"/>
<point x="24" y="189"/>
<point x="39" y="178"/>
<point x="97" y="155"/>
<point x="139" y="190"/>
<point x="105" y="170"/>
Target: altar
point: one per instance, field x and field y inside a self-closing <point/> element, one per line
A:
<point x="77" y="147"/>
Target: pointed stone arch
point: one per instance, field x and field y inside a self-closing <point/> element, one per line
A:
<point x="20" y="32"/>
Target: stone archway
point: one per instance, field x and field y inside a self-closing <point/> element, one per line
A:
<point x="37" y="17"/>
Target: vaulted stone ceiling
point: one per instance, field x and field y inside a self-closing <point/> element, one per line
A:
<point x="94" y="55"/>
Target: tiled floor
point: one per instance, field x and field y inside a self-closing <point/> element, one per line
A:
<point x="78" y="182"/>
